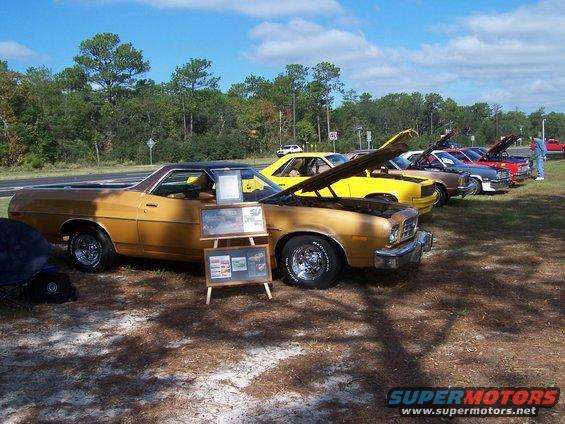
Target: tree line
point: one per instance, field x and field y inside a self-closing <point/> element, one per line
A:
<point x="102" y="109"/>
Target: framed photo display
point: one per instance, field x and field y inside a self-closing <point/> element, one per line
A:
<point x="231" y="266"/>
<point x="228" y="186"/>
<point x="231" y="221"/>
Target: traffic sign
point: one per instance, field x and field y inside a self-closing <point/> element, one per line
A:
<point x="333" y="135"/>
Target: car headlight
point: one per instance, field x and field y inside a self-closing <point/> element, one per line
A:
<point x="393" y="234"/>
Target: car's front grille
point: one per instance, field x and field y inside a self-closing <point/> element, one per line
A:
<point x="409" y="228"/>
<point x="427" y="190"/>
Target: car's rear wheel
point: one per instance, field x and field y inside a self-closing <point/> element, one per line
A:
<point x="90" y="249"/>
<point x="476" y="186"/>
<point x="442" y="196"/>
<point x="310" y="262"/>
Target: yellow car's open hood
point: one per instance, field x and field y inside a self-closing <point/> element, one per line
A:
<point x="349" y="169"/>
<point x="401" y="137"/>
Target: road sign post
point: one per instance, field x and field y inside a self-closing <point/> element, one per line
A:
<point x="333" y="137"/>
<point x="358" y="130"/>
<point x="151" y="143"/>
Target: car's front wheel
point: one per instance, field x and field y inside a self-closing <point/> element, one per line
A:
<point x="310" y="262"/>
<point x="476" y="186"/>
<point x="442" y="196"/>
<point x="90" y="249"/>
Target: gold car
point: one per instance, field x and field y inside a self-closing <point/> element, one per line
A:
<point x="310" y="238"/>
<point x="297" y="167"/>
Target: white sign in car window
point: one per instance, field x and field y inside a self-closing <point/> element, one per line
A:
<point x="448" y="161"/>
<point x="228" y="187"/>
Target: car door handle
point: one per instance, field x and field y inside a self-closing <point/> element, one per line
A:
<point x="282" y="184"/>
<point x="151" y="205"/>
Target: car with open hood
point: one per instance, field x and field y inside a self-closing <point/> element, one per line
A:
<point x="310" y="238"/>
<point x="495" y="157"/>
<point x="448" y="182"/>
<point x="553" y="145"/>
<point x="293" y="169"/>
<point x="483" y="178"/>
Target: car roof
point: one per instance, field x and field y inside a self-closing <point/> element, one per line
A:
<point x="310" y="154"/>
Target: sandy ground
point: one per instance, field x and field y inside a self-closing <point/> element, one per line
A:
<point x="140" y="345"/>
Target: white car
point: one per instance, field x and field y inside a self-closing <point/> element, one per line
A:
<point x="289" y="148"/>
<point x="484" y="178"/>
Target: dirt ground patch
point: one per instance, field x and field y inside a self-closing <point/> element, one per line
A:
<point x="485" y="308"/>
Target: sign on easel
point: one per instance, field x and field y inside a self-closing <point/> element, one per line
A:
<point x="241" y="265"/>
<point x="232" y="266"/>
<point x="229" y="221"/>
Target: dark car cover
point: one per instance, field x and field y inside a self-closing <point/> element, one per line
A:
<point x="23" y="252"/>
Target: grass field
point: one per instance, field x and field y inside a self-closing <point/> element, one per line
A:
<point x="4" y="206"/>
<point x="485" y="308"/>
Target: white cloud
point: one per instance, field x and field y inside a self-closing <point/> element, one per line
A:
<point x="10" y="50"/>
<point x="254" y="8"/>
<point x="515" y="58"/>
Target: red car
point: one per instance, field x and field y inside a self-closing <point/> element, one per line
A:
<point x="553" y="145"/>
<point x="520" y="170"/>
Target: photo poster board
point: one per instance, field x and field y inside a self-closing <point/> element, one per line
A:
<point x="232" y="266"/>
<point x="228" y="186"/>
<point x="232" y="221"/>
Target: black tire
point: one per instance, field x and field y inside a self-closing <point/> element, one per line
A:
<point x="442" y="196"/>
<point x="90" y="249"/>
<point x="478" y="187"/>
<point x="320" y="272"/>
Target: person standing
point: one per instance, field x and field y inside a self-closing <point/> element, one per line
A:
<point x="540" y="152"/>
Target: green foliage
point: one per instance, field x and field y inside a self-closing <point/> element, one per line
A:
<point x="100" y="111"/>
<point x="109" y="64"/>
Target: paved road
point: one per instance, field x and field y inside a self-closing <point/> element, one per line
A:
<point x="9" y="187"/>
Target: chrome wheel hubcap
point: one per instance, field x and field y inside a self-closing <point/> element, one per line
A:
<point x="308" y="262"/>
<point x="87" y="249"/>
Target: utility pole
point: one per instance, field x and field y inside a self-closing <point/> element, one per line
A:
<point x="294" y="116"/>
<point x="543" y="130"/>
<point x="150" y="144"/>
<point x="280" y="129"/>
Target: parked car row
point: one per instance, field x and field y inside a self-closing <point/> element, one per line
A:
<point x="323" y="210"/>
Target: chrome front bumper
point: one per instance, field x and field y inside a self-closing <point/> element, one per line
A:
<point x="410" y="253"/>
<point x="464" y="190"/>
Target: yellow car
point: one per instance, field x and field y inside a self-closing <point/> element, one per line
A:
<point x="296" y="167"/>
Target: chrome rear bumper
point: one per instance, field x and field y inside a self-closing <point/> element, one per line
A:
<point x="410" y="253"/>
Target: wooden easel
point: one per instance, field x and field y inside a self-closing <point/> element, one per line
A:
<point x="210" y="287"/>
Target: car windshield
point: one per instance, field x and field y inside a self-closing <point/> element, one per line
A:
<point x="288" y="146"/>
<point x="448" y="159"/>
<point x="474" y="156"/>
<point x="336" y="159"/>
<point x="256" y="186"/>
<point x="401" y="162"/>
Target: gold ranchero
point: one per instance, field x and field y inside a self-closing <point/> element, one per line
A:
<point x="311" y="237"/>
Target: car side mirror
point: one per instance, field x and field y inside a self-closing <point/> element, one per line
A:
<point x="205" y="196"/>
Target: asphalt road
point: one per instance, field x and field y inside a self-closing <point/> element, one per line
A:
<point x="9" y="187"/>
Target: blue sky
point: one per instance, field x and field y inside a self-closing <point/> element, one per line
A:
<point x="506" y="51"/>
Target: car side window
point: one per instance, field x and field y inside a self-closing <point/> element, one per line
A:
<point x="279" y="171"/>
<point x="460" y="156"/>
<point x="184" y="185"/>
<point x="432" y="160"/>
<point x="296" y="168"/>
